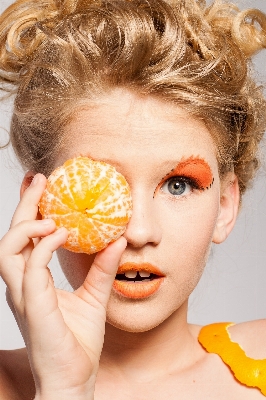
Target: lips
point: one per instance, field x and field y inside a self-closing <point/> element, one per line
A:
<point x="139" y="267"/>
<point x="138" y="281"/>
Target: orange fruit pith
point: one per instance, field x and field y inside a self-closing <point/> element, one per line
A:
<point x="215" y="338"/>
<point x="91" y="200"/>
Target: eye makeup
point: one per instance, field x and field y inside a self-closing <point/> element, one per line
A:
<point x="192" y="169"/>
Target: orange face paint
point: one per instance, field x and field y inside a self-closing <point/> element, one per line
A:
<point x="193" y="168"/>
<point x="138" y="289"/>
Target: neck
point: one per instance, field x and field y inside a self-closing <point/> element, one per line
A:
<point x="172" y="344"/>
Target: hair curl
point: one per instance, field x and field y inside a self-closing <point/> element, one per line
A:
<point x="56" y="54"/>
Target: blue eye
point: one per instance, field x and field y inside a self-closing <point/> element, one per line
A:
<point x="177" y="186"/>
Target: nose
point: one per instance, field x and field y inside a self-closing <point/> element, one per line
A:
<point x="143" y="227"/>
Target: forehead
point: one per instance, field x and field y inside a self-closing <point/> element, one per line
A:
<point x="123" y="126"/>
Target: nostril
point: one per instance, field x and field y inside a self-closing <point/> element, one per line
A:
<point x="142" y="227"/>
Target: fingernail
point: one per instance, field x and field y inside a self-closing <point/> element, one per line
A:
<point x="35" y="180"/>
<point x="60" y="230"/>
<point x="46" y="221"/>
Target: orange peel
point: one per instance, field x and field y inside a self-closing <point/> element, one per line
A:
<point x="91" y="200"/>
<point x="215" y="338"/>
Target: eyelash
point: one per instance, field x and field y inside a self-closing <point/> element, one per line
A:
<point x="194" y="185"/>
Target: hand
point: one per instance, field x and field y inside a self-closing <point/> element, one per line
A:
<point x="63" y="332"/>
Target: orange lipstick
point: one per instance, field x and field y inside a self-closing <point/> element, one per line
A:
<point x="138" y="289"/>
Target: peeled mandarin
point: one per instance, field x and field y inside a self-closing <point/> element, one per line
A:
<point x="215" y="338"/>
<point x="91" y="200"/>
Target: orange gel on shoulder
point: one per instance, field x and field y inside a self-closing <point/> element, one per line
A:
<point x="215" y="338"/>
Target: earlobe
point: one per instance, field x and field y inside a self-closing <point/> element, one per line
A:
<point x="26" y="182"/>
<point x="229" y="204"/>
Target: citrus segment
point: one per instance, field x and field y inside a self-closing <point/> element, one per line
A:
<point x="91" y="200"/>
<point x="215" y="338"/>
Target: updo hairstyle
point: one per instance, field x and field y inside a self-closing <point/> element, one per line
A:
<point x="56" y="55"/>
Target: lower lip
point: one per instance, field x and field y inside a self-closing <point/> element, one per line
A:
<point x="137" y="290"/>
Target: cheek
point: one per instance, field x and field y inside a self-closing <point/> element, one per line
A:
<point x="189" y="230"/>
<point x="75" y="266"/>
<point x="187" y="244"/>
<point x="186" y="231"/>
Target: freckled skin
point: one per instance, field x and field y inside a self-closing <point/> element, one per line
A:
<point x="149" y="339"/>
<point x="143" y="139"/>
<point x="150" y="349"/>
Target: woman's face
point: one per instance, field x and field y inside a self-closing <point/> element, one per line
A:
<point x="173" y="223"/>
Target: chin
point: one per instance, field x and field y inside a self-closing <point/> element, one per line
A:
<point x="133" y="327"/>
<point x="137" y="316"/>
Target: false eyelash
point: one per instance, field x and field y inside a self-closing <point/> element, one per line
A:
<point x="190" y="181"/>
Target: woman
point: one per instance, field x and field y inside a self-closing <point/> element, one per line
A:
<point x="155" y="90"/>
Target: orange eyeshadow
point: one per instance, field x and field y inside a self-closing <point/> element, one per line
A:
<point x="193" y="168"/>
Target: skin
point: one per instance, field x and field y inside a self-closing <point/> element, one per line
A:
<point x="149" y="350"/>
<point x="157" y="138"/>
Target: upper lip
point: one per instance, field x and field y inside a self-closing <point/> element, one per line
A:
<point x="131" y="266"/>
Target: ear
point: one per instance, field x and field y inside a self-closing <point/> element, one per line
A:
<point x="26" y="182"/>
<point x="229" y="204"/>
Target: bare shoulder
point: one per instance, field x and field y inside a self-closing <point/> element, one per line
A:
<point x="16" y="380"/>
<point x="251" y="337"/>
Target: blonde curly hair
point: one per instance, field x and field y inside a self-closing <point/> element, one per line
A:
<point x="56" y="54"/>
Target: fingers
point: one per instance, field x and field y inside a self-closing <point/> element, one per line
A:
<point x="99" y="281"/>
<point x="37" y="278"/>
<point x="28" y="206"/>
<point x="13" y="265"/>
<point x="22" y="263"/>
<point x="21" y="234"/>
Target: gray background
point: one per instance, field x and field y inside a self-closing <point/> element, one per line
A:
<point x="233" y="285"/>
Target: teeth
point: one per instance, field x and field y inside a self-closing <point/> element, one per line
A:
<point x="144" y="274"/>
<point x="131" y="274"/>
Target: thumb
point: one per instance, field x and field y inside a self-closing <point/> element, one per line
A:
<point x="100" y="278"/>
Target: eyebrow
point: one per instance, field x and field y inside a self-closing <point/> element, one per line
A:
<point x="165" y="164"/>
<point x="191" y="167"/>
<point x="187" y="165"/>
<point x="102" y="159"/>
